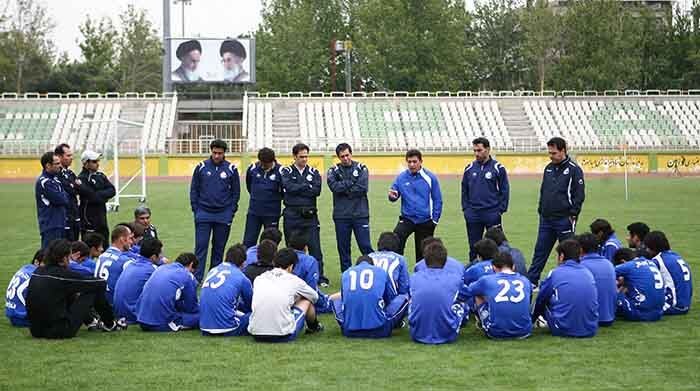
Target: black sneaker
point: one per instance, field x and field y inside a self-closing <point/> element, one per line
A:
<point x="95" y="325"/>
<point x="117" y="325"/>
<point x="319" y="327"/>
<point x="323" y="282"/>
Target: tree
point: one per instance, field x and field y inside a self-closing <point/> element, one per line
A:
<point x="140" y="53"/>
<point x="99" y="51"/>
<point x="542" y="44"/>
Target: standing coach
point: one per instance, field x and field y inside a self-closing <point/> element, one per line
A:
<point x="71" y="185"/>
<point x="214" y="193"/>
<point x="301" y="186"/>
<point x="264" y="183"/>
<point x="95" y="190"/>
<point x="349" y="183"/>
<point x="485" y="193"/>
<point x="561" y="198"/>
<point x="421" y="202"/>
<point x="51" y="200"/>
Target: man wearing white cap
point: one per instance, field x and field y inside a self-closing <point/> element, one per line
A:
<point x="95" y="190"/>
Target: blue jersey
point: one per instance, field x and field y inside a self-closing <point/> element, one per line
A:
<point x="506" y="311"/>
<point x="265" y="189"/>
<point x="677" y="280"/>
<point x="517" y="255"/>
<point x="421" y="199"/>
<point x="129" y="287"/>
<point x="80" y="269"/>
<point x="214" y="192"/>
<point x="604" y="274"/>
<point x="365" y="290"/>
<point x="434" y="316"/>
<point x="569" y="300"/>
<point x="395" y="265"/>
<point x="485" y="187"/>
<point x="306" y="268"/>
<point x="645" y="288"/>
<point x="226" y="295"/>
<point x="476" y="271"/>
<point x="610" y="247"/>
<point x="170" y="291"/>
<point x="90" y="263"/>
<point x="251" y="256"/>
<point x="16" y="295"/>
<point x="452" y="265"/>
<point x="109" y="267"/>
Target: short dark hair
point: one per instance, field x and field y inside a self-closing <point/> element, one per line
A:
<point x="300" y="147"/>
<point x="570" y="248"/>
<point x="657" y="242"/>
<point x="388" y="241"/>
<point x="589" y="243"/>
<point x="142" y="210"/>
<point x="602" y="225"/>
<point x="639" y="229"/>
<point x="151" y="247"/>
<point x="61" y="149"/>
<point x="271" y="233"/>
<point x="138" y="229"/>
<point x="236" y="254"/>
<point x="119" y="231"/>
<point x="298" y="240"/>
<point x="266" y="155"/>
<point x="39" y="256"/>
<point x="414" y="152"/>
<point x="483" y="141"/>
<point x="57" y="251"/>
<point x="623" y="255"/>
<point x="557" y="142"/>
<point x="503" y="259"/>
<point x="486" y="249"/>
<point x="341" y="147"/>
<point x="435" y="255"/>
<point x="267" y="249"/>
<point x="430" y="239"/>
<point x="285" y="257"/>
<point x="93" y="240"/>
<point x="218" y="143"/>
<point x="496" y="234"/>
<point x="186" y="259"/>
<point x="80" y="247"/>
<point x="364" y="258"/>
<point x="47" y="158"/>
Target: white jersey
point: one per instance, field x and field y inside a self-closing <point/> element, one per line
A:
<point x="274" y="294"/>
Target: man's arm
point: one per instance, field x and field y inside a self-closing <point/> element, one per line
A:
<point x="249" y="177"/>
<point x="403" y="284"/>
<point x="189" y="296"/>
<point x="465" y="188"/>
<point x="194" y="188"/>
<point x="394" y="190"/>
<point x="360" y="185"/>
<point x="316" y="182"/>
<point x="304" y="290"/>
<point x="54" y="193"/>
<point x="75" y="283"/>
<point x="246" y="295"/>
<point x="546" y="289"/>
<point x="108" y="191"/>
<point x="436" y="196"/>
<point x="336" y="182"/>
<point x="235" y="187"/>
<point x="466" y="292"/>
<point x="504" y="187"/>
<point x="290" y="186"/>
<point x="389" y="291"/>
<point x="578" y="191"/>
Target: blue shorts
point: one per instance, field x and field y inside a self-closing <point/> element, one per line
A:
<point x="241" y="328"/>
<point x="482" y="312"/>
<point x="395" y="313"/>
<point x="299" y="321"/>
<point x="184" y="321"/>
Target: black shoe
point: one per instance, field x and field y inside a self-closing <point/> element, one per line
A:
<point x="319" y="327"/>
<point x="117" y="325"/>
<point x="95" y="325"/>
<point x="323" y="281"/>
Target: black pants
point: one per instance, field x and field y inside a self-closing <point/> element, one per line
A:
<point x="293" y="221"/>
<point x="78" y="312"/>
<point x="405" y="227"/>
<point x="102" y="230"/>
<point x="73" y="230"/>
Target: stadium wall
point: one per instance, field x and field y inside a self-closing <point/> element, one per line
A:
<point x="390" y="164"/>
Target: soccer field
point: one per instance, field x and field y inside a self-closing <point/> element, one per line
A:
<point x="626" y="356"/>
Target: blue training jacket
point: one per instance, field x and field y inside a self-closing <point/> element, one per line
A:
<point x="485" y="187"/>
<point x="265" y="189"/>
<point x="214" y="192"/>
<point x="349" y="186"/>
<point x="300" y="189"/>
<point x="421" y="199"/>
<point x="51" y="202"/>
<point x="562" y="191"/>
<point x="606" y="285"/>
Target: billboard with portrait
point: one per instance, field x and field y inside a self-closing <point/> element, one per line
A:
<point x="209" y="60"/>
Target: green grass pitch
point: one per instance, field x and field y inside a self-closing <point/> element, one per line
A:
<point x="627" y="356"/>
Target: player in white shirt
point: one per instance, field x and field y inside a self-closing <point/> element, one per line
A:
<point x="282" y="302"/>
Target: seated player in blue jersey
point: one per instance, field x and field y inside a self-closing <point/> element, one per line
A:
<point x="485" y="250"/>
<point x="568" y="298"/>
<point x="608" y="241"/>
<point x="282" y="303"/>
<point x="133" y="278"/>
<point x="79" y="252"/>
<point x="387" y="258"/>
<point x="110" y="264"/>
<point x="367" y="305"/>
<point x="636" y="232"/>
<point x="641" y="287"/>
<point x="434" y="316"/>
<point x="267" y="249"/>
<point x="678" y="280"/>
<point x="270" y="233"/>
<point x="604" y="274"/>
<point x="226" y="297"/>
<point x="502" y="300"/>
<point x="137" y="230"/>
<point x="306" y="268"/>
<point x="452" y="265"/>
<point x="169" y="298"/>
<point x="94" y="242"/>
<point x="497" y="235"/>
<point x="16" y="294"/>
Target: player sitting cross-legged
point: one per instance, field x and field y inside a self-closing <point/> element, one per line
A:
<point x="641" y="287"/>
